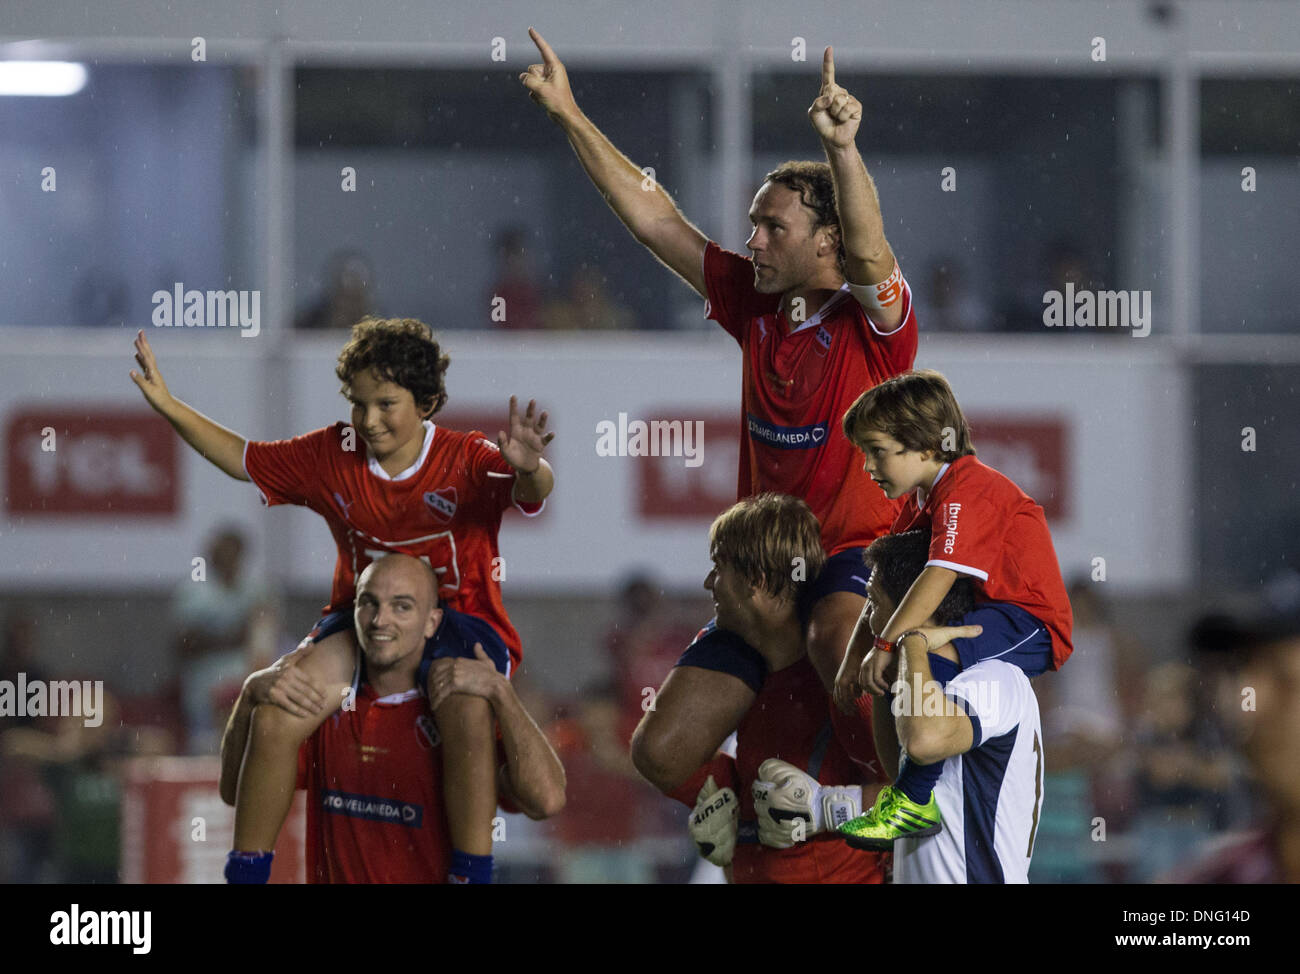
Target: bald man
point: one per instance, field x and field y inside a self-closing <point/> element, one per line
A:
<point x="373" y="768"/>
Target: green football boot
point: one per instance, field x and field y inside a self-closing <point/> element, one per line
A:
<point x="893" y="816"/>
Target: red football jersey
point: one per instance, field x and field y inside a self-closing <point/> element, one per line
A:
<point x="789" y="720"/>
<point x="981" y="524"/>
<point x="445" y="508"/>
<point x="374" y="814"/>
<point x="797" y="386"/>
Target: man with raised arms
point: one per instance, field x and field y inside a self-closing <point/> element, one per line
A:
<point x="821" y="312"/>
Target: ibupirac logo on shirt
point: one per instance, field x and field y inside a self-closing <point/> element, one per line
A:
<point x="786" y="437"/>
<point x="949" y="520"/>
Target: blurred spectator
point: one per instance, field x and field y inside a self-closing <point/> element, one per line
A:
<point x="515" y="284"/>
<point x="949" y="304"/>
<point x="648" y="636"/>
<point x="1264" y="651"/>
<point x="1064" y="848"/>
<point x="1184" y="772"/>
<point x="597" y="833"/>
<point x="1087" y="717"/>
<point x="82" y="765"/>
<point x="525" y="855"/>
<point x="225" y="629"/>
<point x="101" y="298"/>
<point x="1083" y="730"/>
<point x="26" y="801"/>
<point x="588" y="306"/>
<point x="1092" y="725"/>
<point x="18" y="655"/>
<point x="1062" y="263"/>
<point x="349" y="293"/>
<point x="644" y="642"/>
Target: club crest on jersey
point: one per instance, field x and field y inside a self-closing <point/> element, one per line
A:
<point x="442" y="502"/>
<point x="823" y="337"/>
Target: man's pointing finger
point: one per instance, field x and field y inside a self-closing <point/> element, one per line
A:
<point x="547" y="54"/>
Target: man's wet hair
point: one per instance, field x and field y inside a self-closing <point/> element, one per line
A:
<point x="816" y="190"/>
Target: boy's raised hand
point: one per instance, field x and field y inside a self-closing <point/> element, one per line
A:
<point x="149" y="379"/>
<point x="523" y="445"/>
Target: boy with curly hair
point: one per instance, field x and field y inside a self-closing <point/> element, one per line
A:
<point x="391" y="481"/>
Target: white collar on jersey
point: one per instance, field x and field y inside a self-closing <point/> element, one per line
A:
<point x="816" y="319"/>
<point x="382" y="474"/>
<point x="923" y="493"/>
<point x="399" y="697"/>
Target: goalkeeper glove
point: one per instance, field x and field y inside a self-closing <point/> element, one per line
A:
<point x="792" y="805"/>
<point x="714" y="823"/>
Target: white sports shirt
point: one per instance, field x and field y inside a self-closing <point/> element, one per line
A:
<point x="990" y="797"/>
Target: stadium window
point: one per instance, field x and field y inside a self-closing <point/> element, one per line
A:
<point x="464" y="192"/>
<point x="139" y="178"/>
<point x="995" y="188"/>
<point x="1250" y="135"/>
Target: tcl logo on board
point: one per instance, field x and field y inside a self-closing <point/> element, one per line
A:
<point x="89" y="461"/>
<point x="667" y="489"/>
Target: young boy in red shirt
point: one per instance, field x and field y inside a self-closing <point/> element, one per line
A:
<point x="391" y="481"/>
<point x="981" y="525"/>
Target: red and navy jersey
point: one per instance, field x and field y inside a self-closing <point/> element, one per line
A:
<point x="790" y="720"/>
<point x="797" y="386"/>
<point x="445" y="509"/>
<point x="372" y="776"/>
<point x="981" y="524"/>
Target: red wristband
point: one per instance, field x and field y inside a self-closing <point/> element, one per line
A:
<point x="884" y="645"/>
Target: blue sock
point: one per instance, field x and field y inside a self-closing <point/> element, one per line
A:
<point x="467" y="869"/>
<point x="917" y="781"/>
<point x="248" y="867"/>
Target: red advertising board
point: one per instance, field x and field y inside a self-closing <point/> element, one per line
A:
<point x="176" y="829"/>
<point x="1032" y="452"/>
<point x="89" y="460"/>
<point x="694" y="476"/>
